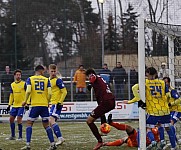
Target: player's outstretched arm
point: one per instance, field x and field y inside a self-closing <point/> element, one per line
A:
<point x="136" y="98"/>
<point x="135" y="89"/>
<point x="140" y="102"/>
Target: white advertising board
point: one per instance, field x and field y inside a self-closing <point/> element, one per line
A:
<point x="81" y="110"/>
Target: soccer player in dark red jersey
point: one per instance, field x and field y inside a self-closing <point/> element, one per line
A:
<point x="105" y="100"/>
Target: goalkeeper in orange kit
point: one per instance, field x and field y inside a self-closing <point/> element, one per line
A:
<point x="132" y="140"/>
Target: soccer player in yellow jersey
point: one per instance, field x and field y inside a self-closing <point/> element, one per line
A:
<point x="156" y="107"/>
<point x="174" y="104"/>
<point x="39" y="90"/>
<point x="174" y="101"/>
<point x="17" y="95"/>
<point x="59" y="93"/>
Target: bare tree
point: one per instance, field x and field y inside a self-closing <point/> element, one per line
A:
<point x="121" y="18"/>
<point x="99" y="7"/>
<point x="82" y="17"/>
<point x="153" y="9"/>
<point x="153" y="13"/>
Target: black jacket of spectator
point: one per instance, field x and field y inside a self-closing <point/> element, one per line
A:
<point x="119" y="75"/>
<point x="133" y="76"/>
<point x="7" y="79"/>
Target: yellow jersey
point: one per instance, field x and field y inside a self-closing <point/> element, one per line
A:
<point x="39" y="90"/>
<point x="156" y="102"/>
<point x="17" y="93"/>
<point x="59" y="91"/>
<point x="174" y="99"/>
<point x="136" y="98"/>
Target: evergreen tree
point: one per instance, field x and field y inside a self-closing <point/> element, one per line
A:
<point x="112" y="39"/>
<point x="70" y="22"/>
<point x="129" y="30"/>
<point x="7" y="38"/>
<point x="160" y="46"/>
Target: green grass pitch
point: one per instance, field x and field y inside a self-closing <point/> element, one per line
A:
<point x="77" y="137"/>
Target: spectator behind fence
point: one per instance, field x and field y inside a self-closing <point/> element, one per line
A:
<point x="120" y="77"/>
<point x="163" y="72"/>
<point x="106" y="74"/>
<point x="133" y="79"/>
<point x="80" y="82"/>
<point x="6" y="79"/>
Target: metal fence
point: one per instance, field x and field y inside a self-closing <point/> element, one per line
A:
<point x="71" y="88"/>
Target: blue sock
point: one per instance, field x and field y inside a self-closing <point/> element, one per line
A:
<point x="150" y="136"/>
<point x="171" y="137"/>
<point x="173" y="129"/>
<point x="56" y="130"/>
<point x="50" y="134"/>
<point x="12" y="125"/>
<point x="20" y="129"/>
<point x="161" y="132"/>
<point x="138" y="138"/>
<point x="28" y="134"/>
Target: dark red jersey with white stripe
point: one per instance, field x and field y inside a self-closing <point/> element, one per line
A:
<point x="101" y="89"/>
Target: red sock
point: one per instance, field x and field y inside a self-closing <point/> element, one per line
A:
<point x="115" y="143"/>
<point x="118" y="126"/>
<point x="95" y="131"/>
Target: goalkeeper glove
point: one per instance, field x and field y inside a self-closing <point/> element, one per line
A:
<point x="59" y="106"/>
<point x="89" y="86"/>
<point x="141" y="104"/>
<point x="8" y="108"/>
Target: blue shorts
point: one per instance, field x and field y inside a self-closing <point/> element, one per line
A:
<point x="37" y="111"/>
<point x="151" y="121"/>
<point x="17" y="111"/>
<point x="54" y="112"/>
<point x="175" y="116"/>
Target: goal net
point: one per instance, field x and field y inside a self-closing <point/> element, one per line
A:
<point x="159" y="46"/>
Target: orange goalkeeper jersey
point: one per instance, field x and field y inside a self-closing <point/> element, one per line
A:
<point x="132" y="139"/>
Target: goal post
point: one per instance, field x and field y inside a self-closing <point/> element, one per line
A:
<point x="171" y="34"/>
<point x="141" y="71"/>
<point x="171" y="60"/>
